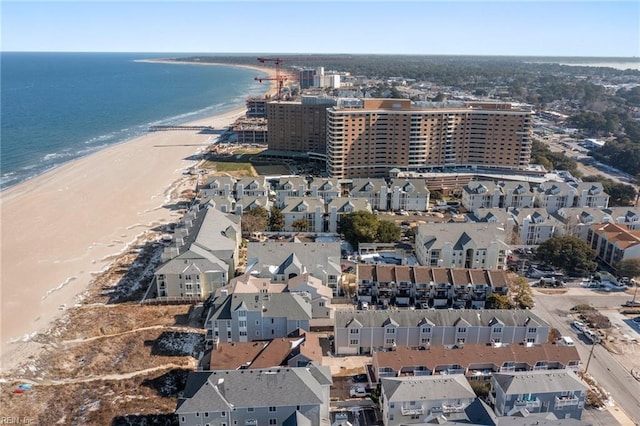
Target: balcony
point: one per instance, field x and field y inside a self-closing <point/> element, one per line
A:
<point x="452" y="408"/>
<point x="412" y="411"/>
<point x="565" y="401"/>
<point x="528" y="403"/>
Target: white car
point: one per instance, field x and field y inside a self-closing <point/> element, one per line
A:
<point x="578" y="326"/>
<point x="358" y="392"/>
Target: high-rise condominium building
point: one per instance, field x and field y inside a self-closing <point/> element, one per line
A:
<point x="298" y="126"/>
<point x="381" y="134"/>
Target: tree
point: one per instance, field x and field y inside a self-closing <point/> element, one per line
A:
<point x="388" y="232"/>
<point x="359" y="227"/>
<point x="629" y="268"/>
<point x="437" y="195"/>
<point x="569" y="253"/>
<point x="524" y="294"/>
<point x="254" y="220"/>
<point x="497" y="301"/>
<point x="300" y="225"/>
<point x="276" y="219"/>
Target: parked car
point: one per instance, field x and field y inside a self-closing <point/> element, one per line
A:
<point x="358" y="392"/>
<point x="578" y="326"/>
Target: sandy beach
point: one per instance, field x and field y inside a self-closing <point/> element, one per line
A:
<point x="63" y="227"/>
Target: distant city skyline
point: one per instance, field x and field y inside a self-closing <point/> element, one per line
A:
<point x="510" y="28"/>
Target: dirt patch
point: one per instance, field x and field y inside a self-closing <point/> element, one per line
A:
<point x="271" y="169"/>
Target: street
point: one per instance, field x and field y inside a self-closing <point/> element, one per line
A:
<point x="611" y="371"/>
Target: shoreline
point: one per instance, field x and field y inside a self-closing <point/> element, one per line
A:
<point x="64" y="227"/>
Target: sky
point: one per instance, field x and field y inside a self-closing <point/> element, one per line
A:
<point x="516" y="27"/>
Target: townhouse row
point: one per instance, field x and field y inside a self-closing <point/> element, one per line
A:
<point x="428" y="287"/>
<point x="551" y="196"/>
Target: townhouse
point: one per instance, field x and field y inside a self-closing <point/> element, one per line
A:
<point x="304" y="284"/>
<point x="502" y="194"/>
<point x="556" y="195"/>
<point x="461" y="245"/>
<point x="535" y="226"/>
<point x="429" y="287"/>
<point x="245" y="317"/>
<point x="303" y="214"/>
<point x="474" y="361"/>
<point x="363" y="332"/>
<point x="252" y="397"/>
<point x="285" y="260"/>
<point x="327" y="189"/>
<point x="409" y="195"/>
<point x="299" y="350"/>
<point x="339" y="207"/>
<point x="560" y="392"/>
<point x="424" y="399"/>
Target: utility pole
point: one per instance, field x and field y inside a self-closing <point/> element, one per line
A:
<point x="593" y="346"/>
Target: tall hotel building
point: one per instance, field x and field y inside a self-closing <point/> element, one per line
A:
<point x="382" y="134"/>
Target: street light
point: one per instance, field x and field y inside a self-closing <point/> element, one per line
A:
<point x="596" y="340"/>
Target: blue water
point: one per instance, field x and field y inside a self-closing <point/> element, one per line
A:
<point x="56" y="107"/>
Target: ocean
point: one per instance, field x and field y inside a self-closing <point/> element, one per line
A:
<point x="56" y="107"/>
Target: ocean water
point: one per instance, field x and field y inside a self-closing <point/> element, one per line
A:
<point x="56" y="107"/>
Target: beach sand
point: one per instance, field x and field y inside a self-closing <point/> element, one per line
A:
<point x="62" y="228"/>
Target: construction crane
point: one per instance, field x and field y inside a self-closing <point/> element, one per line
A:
<point x="279" y="77"/>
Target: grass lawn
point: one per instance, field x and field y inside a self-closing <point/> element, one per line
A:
<point x="235" y="169"/>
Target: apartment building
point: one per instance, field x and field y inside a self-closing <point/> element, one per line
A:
<point x="344" y="206"/>
<point x="409" y="195"/>
<point x="246" y="317"/>
<point x="202" y="255"/>
<point x="535" y="226"/>
<point x="560" y="392"/>
<point x="298" y="126"/>
<point x="381" y="134"/>
<point x="363" y="332"/>
<point x="462" y="245"/>
<point x="613" y="242"/>
<point x="271" y="396"/>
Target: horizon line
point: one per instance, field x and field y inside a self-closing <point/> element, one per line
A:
<point x="637" y="58"/>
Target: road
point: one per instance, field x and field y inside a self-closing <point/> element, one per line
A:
<point x="604" y="367"/>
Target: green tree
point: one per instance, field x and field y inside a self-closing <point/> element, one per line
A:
<point x="437" y="195"/>
<point x="359" y="227"/>
<point x="276" y="219"/>
<point x="388" y="232"/>
<point x="497" y="301"/>
<point x="569" y="253"/>
<point x="629" y="268"/>
<point x="300" y="225"/>
<point x="524" y="294"/>
<point x="619" y="193"/>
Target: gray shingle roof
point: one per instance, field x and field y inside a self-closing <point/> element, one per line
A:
<point x="429" y="388"/>
<point x="274" y="305"/>
<point x="439" y="317"/>
<point x="436" y="235"/>
<point x="543" y="381"/>
<point x="195" y="257"/>
<point x="222" y="390"/>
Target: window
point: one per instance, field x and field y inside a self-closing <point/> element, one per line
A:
<point x="532" y="330"/>
<point x="242" y="323"/>
<point x="497" y="330"/>
<point x="273" y="421"/>
<point x="222" y="414"/>
<point x="272" y="409"/>
<point x="390" y="341"/>
<point x="354" y="341"/>
<point x="250" y="409"/>
<point x="391" y="330"/>
<point x="426" y="329"/>
<point x="462" y="329"/>
<point x="354" y="331"/>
